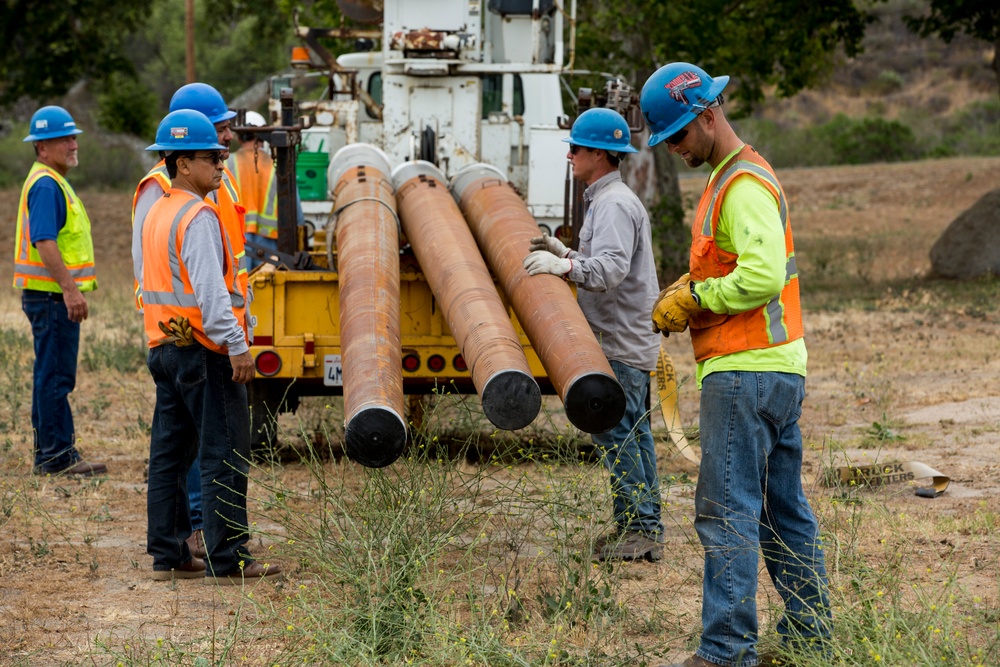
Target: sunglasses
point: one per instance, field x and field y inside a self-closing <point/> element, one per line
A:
<point x="573" y="148"/>
<point x="677" y="137"/>
<point x="214" y="158"/>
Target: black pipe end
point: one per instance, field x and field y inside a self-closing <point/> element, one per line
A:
<point x="375" y="437"/>
<point x="511" y="399"/>
<point x="595" y="402"/>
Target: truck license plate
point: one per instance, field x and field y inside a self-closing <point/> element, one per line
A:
<point x="333" y="371"/>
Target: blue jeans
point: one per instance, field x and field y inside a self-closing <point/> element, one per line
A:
<point x="194" y="494"/>
<point x="627" y="451"/>
<point x="197" y="402"/>
<point x="252" y="261"/>
<point x="749" y="495"/>
<point x="57" y="344"/>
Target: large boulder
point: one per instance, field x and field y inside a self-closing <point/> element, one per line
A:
<point x="970" y="247"/>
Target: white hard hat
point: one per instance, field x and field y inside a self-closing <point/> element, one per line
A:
<point x="255" y="119"/>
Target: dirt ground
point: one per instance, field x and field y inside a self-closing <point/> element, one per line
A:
<point x="899" y="376"/>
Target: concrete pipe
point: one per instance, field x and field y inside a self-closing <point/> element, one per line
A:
<point x="463" y="287"/>
<point x="544" y="304"/>
<point x="368" y="263"/>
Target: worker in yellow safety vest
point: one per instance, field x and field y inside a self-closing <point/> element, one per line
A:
<point x="54" y="268"/>
<point x="193" y="312"/>
<point x="207" y="100"/>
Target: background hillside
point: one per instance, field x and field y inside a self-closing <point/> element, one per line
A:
<point x="945" y="94"/>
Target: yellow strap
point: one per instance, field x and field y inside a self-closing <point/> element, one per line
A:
<point x="666" y="381"/>
<point x="878" y="474"/>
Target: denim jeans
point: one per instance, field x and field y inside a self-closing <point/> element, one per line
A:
<point x="197" y="402"/>
<point x="57" y="344"/>
<point x="749" y="495"/>
<point x="194" y="495"/>
<point x="627" y="451"/>
<point x="252" y="261"/>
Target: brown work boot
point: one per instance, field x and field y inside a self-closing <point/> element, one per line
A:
<point x="692" y="661"/>
<point x="193" y="569"/>
<point x="255" y="571"/>
<point x="630" y="546"/>
<point x="196" y="544"/>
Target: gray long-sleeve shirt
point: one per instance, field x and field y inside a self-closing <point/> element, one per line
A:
<point x="203" y="255"/>
<point x="615" y="272"/>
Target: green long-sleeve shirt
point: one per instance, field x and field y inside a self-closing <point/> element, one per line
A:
<point x="750" y="227"/>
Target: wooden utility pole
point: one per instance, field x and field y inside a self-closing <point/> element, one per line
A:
<point x="189" y="30"/>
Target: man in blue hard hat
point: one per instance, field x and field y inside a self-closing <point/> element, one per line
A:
<point x="199" y="357"/>
<point x="54" y="268"/>
<point x="205" y="99"/>
<point x="617" y="279"/>
<point x="740" y="301"/>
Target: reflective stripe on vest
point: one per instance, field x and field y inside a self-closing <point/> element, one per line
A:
<point x="267" y="224"/>
<point x="232" y="214"/>
<point x="164" y="252"/>
<point x="778" y="321"/>
<point x="73" y="241"/>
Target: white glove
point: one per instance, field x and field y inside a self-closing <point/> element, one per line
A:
<point x="550" y="243"/>
<point x="543" y="261"/>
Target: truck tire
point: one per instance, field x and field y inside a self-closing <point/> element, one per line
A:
<point x="267" y="400"/>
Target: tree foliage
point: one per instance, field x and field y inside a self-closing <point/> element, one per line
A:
<point x="785" y="44"/>
<point x="948" y="18"/>
<point x="49" y="46"/>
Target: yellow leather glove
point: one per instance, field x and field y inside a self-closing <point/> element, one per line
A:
<point x="675" y="306"/>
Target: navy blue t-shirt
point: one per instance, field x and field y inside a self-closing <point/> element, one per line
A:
<point x="46" y="210"/>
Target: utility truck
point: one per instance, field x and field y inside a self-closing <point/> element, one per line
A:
<point x="450" y="96"/>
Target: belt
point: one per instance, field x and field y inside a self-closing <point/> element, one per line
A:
<point x="54" y="296"/>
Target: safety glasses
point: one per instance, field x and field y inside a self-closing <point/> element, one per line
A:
<point x="214" y="158"/>
<point x="677" y="137"/>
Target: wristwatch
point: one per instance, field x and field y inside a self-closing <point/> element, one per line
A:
<point x="694" y="294"/>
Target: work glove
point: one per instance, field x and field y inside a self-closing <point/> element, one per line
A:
<point x="675" y="306"/>
<point x="550" y="243"/>
<point x="543" y="261"/>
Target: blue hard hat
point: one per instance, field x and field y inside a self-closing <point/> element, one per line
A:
<point x="204" y="98"/>
<point x="601" y="128"/>
<point x="186" y="130"/>
<point x="51" y="122"/>
<point x="674" y="95"/>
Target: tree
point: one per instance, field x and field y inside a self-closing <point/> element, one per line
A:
<point x="49" y="46"/>
<point x="785" y="44"/>
<point x="947" y="18"/>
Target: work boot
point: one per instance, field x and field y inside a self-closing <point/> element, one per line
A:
<point x="253" y="572"/>
<point x="692" y="661"/>
<point x="193" y="569"/>
<point x="631" y="546"/>
<point x="196" y="544"/>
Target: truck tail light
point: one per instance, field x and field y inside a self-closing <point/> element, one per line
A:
<point x="436" y="363"/>
<point x="459" y="363"/>
<point x="411" y="363"/>
<point x="268" y="363"/>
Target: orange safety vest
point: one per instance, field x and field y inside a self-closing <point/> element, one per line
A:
<point x="778" y="321"/>
<point x="230" y="210"/>
<point x="73" y="240"/>
<point x="254" y="174"/>
<point x="166" y="285"/>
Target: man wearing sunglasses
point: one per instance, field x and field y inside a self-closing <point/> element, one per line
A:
<point x="199" y="358"/>
<point x="207" y="100"/>
<point x="741" y="302"/>
<point x="615" y="273"/>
